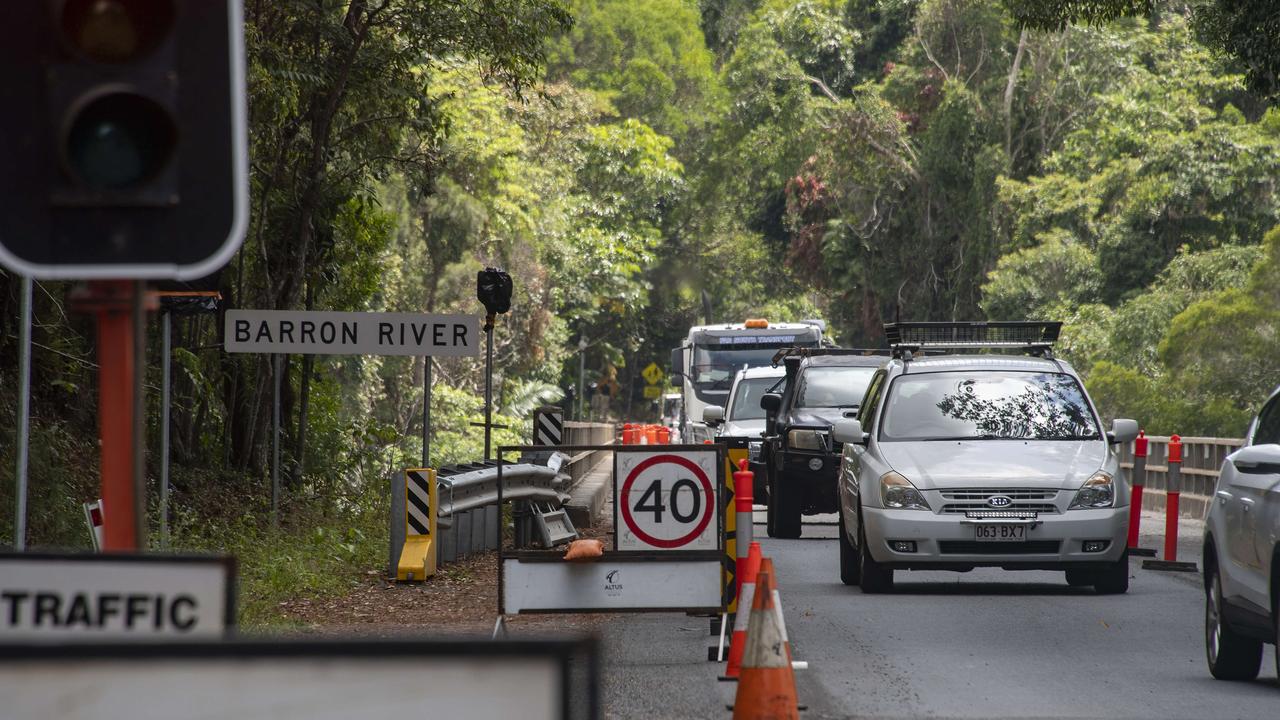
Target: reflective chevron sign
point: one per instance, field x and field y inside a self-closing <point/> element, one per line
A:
<point x="419" y="505"/>
<point x="548" y="426"/>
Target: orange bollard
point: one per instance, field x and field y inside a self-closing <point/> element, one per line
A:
<point x="664" y="435"/>
<point x="1171" y="505"/>
<point x="766" y="684"/>
<point x="747" y="569"/>
<point x="650" y="435"/>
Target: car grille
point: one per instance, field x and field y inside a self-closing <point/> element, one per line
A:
<point x="971" y="547"/>
<point x="969" y="500"/>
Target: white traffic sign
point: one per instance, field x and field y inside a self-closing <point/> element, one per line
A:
<point x="309" y="679"/>
<point x="618" y="581"/>
<point x="666" y="499"/>
<point x="60" y="598"/>
<point x="349" y="333"/>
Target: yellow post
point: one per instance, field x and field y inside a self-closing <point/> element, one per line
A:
<point x="418" y="558"/>
<point x="730" y="527"/>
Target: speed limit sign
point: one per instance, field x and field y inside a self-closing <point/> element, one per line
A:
<point x="666" y="499"/>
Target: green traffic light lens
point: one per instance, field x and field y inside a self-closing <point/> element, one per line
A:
<point x="116" y="31"/>
<point x="119" y="140"/>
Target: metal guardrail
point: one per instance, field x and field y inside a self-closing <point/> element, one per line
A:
<point x="1201" y="459"/>
<point x="475" y="485"/>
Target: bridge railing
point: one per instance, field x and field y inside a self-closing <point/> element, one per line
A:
<point x="584" y="463"/>
<point x="1201" y="459"/>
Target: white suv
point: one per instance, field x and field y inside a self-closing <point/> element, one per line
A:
<point x="1242" y="553"/>
<point x="964" y="461"/>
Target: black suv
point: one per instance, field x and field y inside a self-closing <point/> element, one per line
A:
<point x="799" y="458"/>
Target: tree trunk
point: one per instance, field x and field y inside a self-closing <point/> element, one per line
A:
<point x="1008" y="96"/>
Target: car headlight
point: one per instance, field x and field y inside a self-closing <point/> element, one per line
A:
<point x="898" y="493"/>
<point x="1098" y="491"/>
<point x="807" y="440"/>
<point x="753" y="449"/>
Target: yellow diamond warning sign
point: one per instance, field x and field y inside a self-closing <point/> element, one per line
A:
<point x="652" y="374"/>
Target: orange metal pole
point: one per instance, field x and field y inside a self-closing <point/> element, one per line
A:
<point x="112" y="303"/>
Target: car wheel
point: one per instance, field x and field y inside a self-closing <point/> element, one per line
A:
<point x="850" y="569"/>
<point x="873" y="577"/>
<point x="1079" y="578"/>
<point x="1230" y="656"/>
<point x="786" y="516"/>
<point x="1114" y="580"/>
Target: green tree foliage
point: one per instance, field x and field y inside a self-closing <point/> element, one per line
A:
<point x="648" y="59"/>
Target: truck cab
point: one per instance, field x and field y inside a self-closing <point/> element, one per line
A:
<point x="706" y="362"/>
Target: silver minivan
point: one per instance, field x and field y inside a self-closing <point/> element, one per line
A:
<point x="981" y="460"/>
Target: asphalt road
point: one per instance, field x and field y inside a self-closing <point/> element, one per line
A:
<point x="984" y="644"/>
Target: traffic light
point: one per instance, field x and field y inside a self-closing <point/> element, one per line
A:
<point x="123" y="148"/>
<point x="493" y="290"/>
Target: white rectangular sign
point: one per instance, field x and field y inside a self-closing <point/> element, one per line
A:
<point x="72" y="598"/>
<point x="666" y="499"/>
<point x="607" y="584"/>
<point x="350" y="333"/>
<point x="297" y="680"/>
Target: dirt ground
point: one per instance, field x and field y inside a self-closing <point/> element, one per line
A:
<point x="461" y="599"/>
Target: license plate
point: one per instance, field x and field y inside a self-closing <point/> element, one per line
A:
<point x="1000" y="533"/>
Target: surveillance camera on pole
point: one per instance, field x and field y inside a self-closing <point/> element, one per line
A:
<point x="123" y="140"/>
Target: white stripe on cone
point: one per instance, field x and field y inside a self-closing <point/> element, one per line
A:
<point x="765" y="642"/>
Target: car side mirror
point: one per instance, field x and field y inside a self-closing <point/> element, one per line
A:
<point x="849" y="431"/>
<point x="677" y="362"/>
<point x="713" y="415"/>
<point x="770" y="402"/>
<point x="1123" y="431"/>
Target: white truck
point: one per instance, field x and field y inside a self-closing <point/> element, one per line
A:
<point x="705" y="364"/>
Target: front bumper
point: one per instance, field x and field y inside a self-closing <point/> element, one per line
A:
<point x="816" y="487"/>
<point x="947" y="541"/>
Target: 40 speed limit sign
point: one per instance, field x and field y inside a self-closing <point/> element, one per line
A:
<point x="667" y="499"/>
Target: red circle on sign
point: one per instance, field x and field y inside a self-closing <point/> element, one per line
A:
<point x="687" y="464"/>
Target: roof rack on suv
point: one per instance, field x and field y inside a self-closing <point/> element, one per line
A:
<point x="1034" y="337"/>
<point x="804" y="352"/>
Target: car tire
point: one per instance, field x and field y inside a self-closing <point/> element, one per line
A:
<point x="850" y="564"/>
<point x="1114" y="580"/>
<point x="872" y="576"/>
<point x="786" y="516"/>
<point x="1079" y="578"/>
<point x="1231" y="656"/>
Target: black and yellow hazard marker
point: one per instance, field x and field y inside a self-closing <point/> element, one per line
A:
<point x="418" y="558"/>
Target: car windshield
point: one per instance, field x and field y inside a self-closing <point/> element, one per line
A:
<point x="829" y="387"/>
<point x="746" y="400"/>
<point x="987" y="405"/>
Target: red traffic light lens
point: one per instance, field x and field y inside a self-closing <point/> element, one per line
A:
<point x="119" y="140"/>
<point x="115" y="31"/>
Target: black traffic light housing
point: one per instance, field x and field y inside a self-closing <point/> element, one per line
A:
<point x="123" y="139"/>
<point x="493" y="290"/>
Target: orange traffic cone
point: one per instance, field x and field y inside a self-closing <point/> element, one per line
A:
<point x="766" y="686"/>
<point x="738" y="643"/>
<point x="766" y="565"/>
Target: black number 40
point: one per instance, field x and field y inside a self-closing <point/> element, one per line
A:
<point x="651" y="501"/>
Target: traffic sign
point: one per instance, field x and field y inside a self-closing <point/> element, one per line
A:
<point x="60" y="598"/>
<point x="667" y="499"/>
<point x="652" y="374"/>
<point x="350" y="333"/>
<point x="652" y="392"/>
<point x="304" y="679"/>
